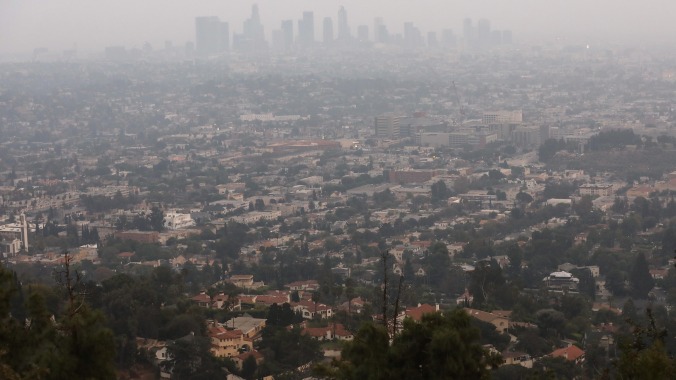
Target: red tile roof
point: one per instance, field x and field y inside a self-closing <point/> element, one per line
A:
<point x="202" y="297"/>
<point x="416" y="313"/>
<point x="571" y="353"/>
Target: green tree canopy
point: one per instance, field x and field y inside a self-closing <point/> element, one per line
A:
<point x="438" y="347"/>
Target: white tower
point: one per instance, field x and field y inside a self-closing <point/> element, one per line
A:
<point x="24" y="231"/>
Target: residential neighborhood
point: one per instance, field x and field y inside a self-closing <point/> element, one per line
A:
<point x="266" y="220"/>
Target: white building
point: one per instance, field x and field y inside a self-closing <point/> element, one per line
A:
<point x="561" y="280"/>
<point x="175" y="220"/>
<point x="255" y="216"/>
<point x="603" y="190"/>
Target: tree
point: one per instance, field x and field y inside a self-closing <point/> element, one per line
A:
<point x="584" y="206"/>
<point x="437" y="347"/>
<point x="522" y="197"/>
<point x="286" y="349"/>
<point x="86" y="342"/>
<point x="547" y="150"/>
<point x="366" y="357"/>
<point x="192" y="359"/>
<point x="641" y="280"/>
<point x="156" y="219"/>
<point x="259" y="205"/>
<point x="485" y="280"/>
<point x="249" y="367"/>
<point x="75" y="346"/>
<point x="645" y="356"/>
<point x="439" y="192"/>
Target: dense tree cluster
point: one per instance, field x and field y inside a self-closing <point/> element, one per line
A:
<point x="47" y="335"/>
<point x="438" y="347"/>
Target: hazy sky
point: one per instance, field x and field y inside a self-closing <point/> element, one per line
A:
<point x="94" y="24"/>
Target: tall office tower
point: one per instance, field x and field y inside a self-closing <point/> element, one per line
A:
<point x="306" y="29"/>
<point x="224" y="33"/>
<point x="253" y="36"/>
<point x="432" y="40"/>
<point x="363" y="33"/>
<point x="391" y="126"/>
<point x="412" y="37"/>
<point x="383" y="34"/>
<point x="328" y="30"/>
<point x="448" y="38"/>
<point x="287" y="33"/>
<point x="377" y="29"/>
<point x="211" y="35"/>
<point x="483" y="33"/>
<point x="506" y="37"/>
<point x="343" y="27"/>
<point x="468" y="32"/>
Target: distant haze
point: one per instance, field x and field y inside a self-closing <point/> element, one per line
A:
<point x="94" y="24"/>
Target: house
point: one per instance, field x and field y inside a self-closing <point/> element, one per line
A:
<point x="341" y="271"/>
<point x="419" y="271"/>
<point x="156" y="349"/>
<point x="272" y="297"/>
<point x="416" y="313"/>
<point x="517" y="358"/>
<point x="658" y="274"/>
<point x="309" y="285"/>
<point x="249" y="325"/>
<point x="245" y="281"/>
<point x="500" y="321"/>
<point x="220" y="301"/>
<point x="202" y="299"/>
<point x="247" y="300"/>
<point x="570" y="353"/>
<point x="226" y="343"/>
<point x="356" y="305"/>
<point x="309" y="309"/>
<point x="330" y="332"/>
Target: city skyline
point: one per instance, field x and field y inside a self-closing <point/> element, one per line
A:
<point x="76" y="24"/>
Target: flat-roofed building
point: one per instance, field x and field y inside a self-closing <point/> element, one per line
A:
<point x="603" y="190"/>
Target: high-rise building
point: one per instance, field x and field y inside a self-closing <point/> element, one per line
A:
<point x="253" y="36"/>
<point x="378" y="29"/>
<point x="468" y="32"/>
<point x="328" y="30"/>
<point x="448" y="38"/>
<point x="306" y="29"/>
<point x="363" y="33"/>
<point x="412" y="37"/>
<point x="391" y="126"/>
<point x="211" y="35"/>
<point x="483" y="32"/>
<point x="343" y="27"/>
<point x="287" y="33"/>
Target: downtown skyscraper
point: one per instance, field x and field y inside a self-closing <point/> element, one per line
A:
<point x="212" y="36"/>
